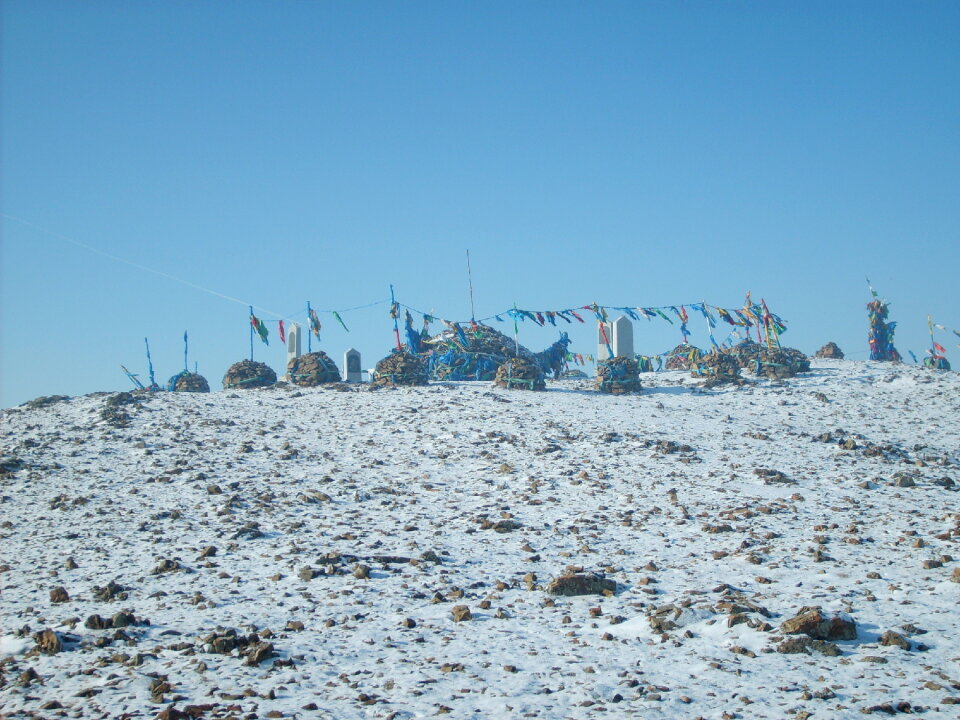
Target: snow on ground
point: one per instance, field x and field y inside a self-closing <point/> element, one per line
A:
<point x="343" y="528"/>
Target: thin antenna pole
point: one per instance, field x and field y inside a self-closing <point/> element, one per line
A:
<point x="473" y="315"/>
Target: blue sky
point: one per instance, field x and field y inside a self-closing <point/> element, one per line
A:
<point x="627" y="153"/>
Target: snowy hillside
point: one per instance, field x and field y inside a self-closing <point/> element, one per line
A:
<point x="341" y="552"/>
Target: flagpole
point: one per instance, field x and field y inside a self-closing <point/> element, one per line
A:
<point x="396" y="328"/>
<point x="153" y="381"/>
<point x="251" y="333"/>
<point x="516" y="333"/>
<point x="185" y="364"/>
<point x="309" y="329"/>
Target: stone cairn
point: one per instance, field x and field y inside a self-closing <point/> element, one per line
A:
<point x="520" y="374"/>
<point x="400" y="368"/>
<point x="188" y="382"/>
<point x="248" y="374"/>
<point x="312" y="369"/>
<point x="479" y="358"/>
<point x="773" y="363"/>
<point x="830" y="351"/>
<point x="746" y="353"/>
<point x="718" y="369"/>
<point x="618" y="375"/>
<point x="936" y="362"/>
<point x="683" y="357"/>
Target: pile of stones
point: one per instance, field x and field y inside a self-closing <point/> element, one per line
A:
<point x="773" y="363"/>
<point x="400" y="368"/>
<point x="683" y="357"/>
<point x="718" y="369"/>
<point x="830" y="351"/>
<point x="188" y="382"/>
<point x="618" y="375"/>
<point x="480" y="339"/>
<point x="520" y="374"/>
<point x="312" y="369"/>
<point x="248" y="374"/>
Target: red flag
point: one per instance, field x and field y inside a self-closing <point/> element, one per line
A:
<point x="283" y="335"/>
<point x="940" y="348"/>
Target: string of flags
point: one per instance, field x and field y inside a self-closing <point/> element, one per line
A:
<point x="768" y="326"/>
<point x="742" y="321"/>
<point x="259" y="327"/>
<point x="751" y="315"/>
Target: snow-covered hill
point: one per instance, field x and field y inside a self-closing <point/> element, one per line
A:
<point x="341" y="531"/>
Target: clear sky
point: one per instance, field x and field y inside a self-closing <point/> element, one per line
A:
<point x="629" y="153"/>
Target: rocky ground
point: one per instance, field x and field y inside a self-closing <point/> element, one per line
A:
<point x="781" y="549"/>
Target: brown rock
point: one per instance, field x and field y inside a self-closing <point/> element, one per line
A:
<point x="894" y="638"/>
<point x="307" y="573"/>
<point x="797" y="645"/>
<point x="259" y="652"/>
<point x="461" y="613"/>
<point x="581" y="584"/>
<point x="813" y="623"/>
<point x="95" y="622"/>
<point x="48" y="642"/>
<point x="59" y="595"/>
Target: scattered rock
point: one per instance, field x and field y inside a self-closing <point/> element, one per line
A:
<point x="796" y="645"/>
<point x="259" y="652"/>
<point x="581" y="584"/>
<point x="461" y="613"/>
<point x="48" y="642"/>
<point x="812" y="622"/>
<point x="894" y="638"/>
<point x="110" y="591"/>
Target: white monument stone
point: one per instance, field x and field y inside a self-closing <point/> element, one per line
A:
<point x="293" y="342"/>
<point x="352" y="369"/>
<point x="620" y="334"/>
<point x="623" y="337"/>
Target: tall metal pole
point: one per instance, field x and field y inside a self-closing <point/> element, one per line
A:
<point x="309" y="328"/>
<point x="473" y="315"/>
<point x="185" y="365"/>
<point x="251" y="333"/>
